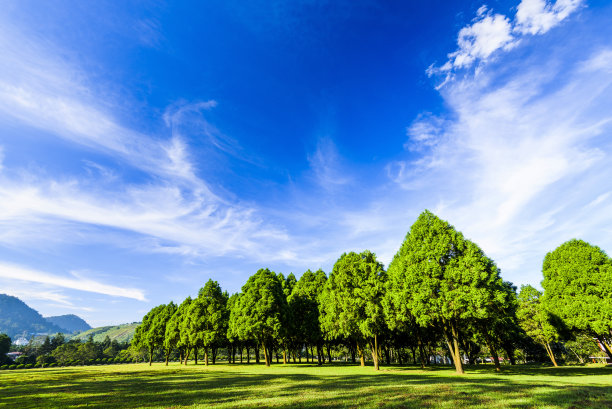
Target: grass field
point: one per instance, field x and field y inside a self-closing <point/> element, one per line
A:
<point x="290" y="386"/>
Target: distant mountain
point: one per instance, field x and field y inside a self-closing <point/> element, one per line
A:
<point x="70" y="322"/>
<point x="17" y="319"/>
<point x="122" y="333"/>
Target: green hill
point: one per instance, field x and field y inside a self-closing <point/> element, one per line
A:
<point x="69" y="322"/>
<point x="17" y="318"/>
<point x="122" y="333"/>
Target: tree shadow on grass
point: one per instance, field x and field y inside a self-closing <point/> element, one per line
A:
<point x="232" y="386"/>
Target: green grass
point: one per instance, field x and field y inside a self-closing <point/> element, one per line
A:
<point x="291" y="386"/>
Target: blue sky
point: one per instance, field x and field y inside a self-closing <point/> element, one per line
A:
<point x="149" y="146"/>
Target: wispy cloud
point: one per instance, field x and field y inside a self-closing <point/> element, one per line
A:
<point x="521" y="160"/>
<point x="173" y="206"/>
<point x="325" y="163"/>
<point x="76" y="281"/>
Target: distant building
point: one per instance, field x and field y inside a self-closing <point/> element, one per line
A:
<point x="14" y="355"/>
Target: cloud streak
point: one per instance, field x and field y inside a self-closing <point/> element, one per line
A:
<point x="76" y="282"/>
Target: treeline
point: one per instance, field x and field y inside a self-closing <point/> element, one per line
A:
<point x="439" y="291"/>
<point x="57" y="351"/>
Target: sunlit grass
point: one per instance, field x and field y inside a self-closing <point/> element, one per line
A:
<point x="249" y="386"/>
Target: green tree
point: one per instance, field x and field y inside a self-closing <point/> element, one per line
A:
<point x="578" y="288"/>
<point x="351" y="303"/>
<point x="260" y="311"/>
<point x="304" y="308"/>
<point x="537" y="322"/>
<point x="213" y="320"/>
<point x="172" y="336"/>
<point x="5" y="346"/>
<point x="440" y="278"/>
<point x="147" y="334"/>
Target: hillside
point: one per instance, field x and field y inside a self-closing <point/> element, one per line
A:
<point x="17" y="318"/>
<point x="70" y="322"/>
<point x="122" y="333"/>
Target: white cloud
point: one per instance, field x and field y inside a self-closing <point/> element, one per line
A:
<point x="490" y="33"/>
<point x="77" y="281"/>
<point x="478" y="41"/>
<point x="522" y="162"/>
<point x="539" y="16"/>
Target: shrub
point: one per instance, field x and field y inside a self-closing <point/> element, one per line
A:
<point x="20" y="366"/>
<point x="4" y="367"/>
<point x="12" y="366"/>
<point x="28" y="366"/>
<point x="52" y="364"/>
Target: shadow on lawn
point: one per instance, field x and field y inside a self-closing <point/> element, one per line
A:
<point x="394" y="387"/>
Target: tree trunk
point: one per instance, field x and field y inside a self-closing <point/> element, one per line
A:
<point x="387" y="356"/>
<point x="257" y="353"/>
<point x="452" y="340"/>
<point x="266" y="356"/>
<point x="187" y="355"/>
<point x="550" y="354"/>
<point x="374" y="348"/>
<point x="361" y="354"/>
<point x="241" y="355"/>
<point x="329" y="354"/>
<point x="205" y="356"/>
<point x="248" y="354"/>
<point x="320" y="357"/>
<point x="510" y="352"/>
<point x="494" y="352"/>
<point x="214" y="355"/>
<point x="195" y="355"/>
<point x="150" y="355"/>
<point x="284" y="356"/>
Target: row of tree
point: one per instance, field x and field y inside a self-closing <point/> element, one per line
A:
<point x="439" y="287"/>
<point x="57" y="350"/>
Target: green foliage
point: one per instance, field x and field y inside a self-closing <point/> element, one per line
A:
<point x="206" y="318"/>
<point x="261" y="310"/>
<point x="440" y="278"/>
<point x="5" y="346"/>
<point x="578" y="287"/>
<point x="304" y="307"/>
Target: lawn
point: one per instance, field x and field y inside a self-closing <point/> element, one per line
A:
<point x="290" y="386"/>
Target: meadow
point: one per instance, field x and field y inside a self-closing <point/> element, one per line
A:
<point x="304" y="386"/>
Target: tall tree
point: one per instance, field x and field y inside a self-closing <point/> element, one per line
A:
<point x="352" y="301"/>
<point x="535" y="319"/>
<point x="441" y="278"/>
<point x="304" y="306"/>
<point x="172" y="337"/>
<point x="212" y="329"/>
<point x="260" y="311"/>
<point x="578" y="288"/>
<point x="146" y="334"/>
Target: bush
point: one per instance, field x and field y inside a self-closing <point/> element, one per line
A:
<point x="20" y="366"/>
<point x="28" y="366"/>
<point x="4" y="367"/>
<point x="52" y="364"/>
<point x="12" y="366"/>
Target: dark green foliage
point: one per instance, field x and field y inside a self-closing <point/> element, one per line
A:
<point x="351" y="303"/>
